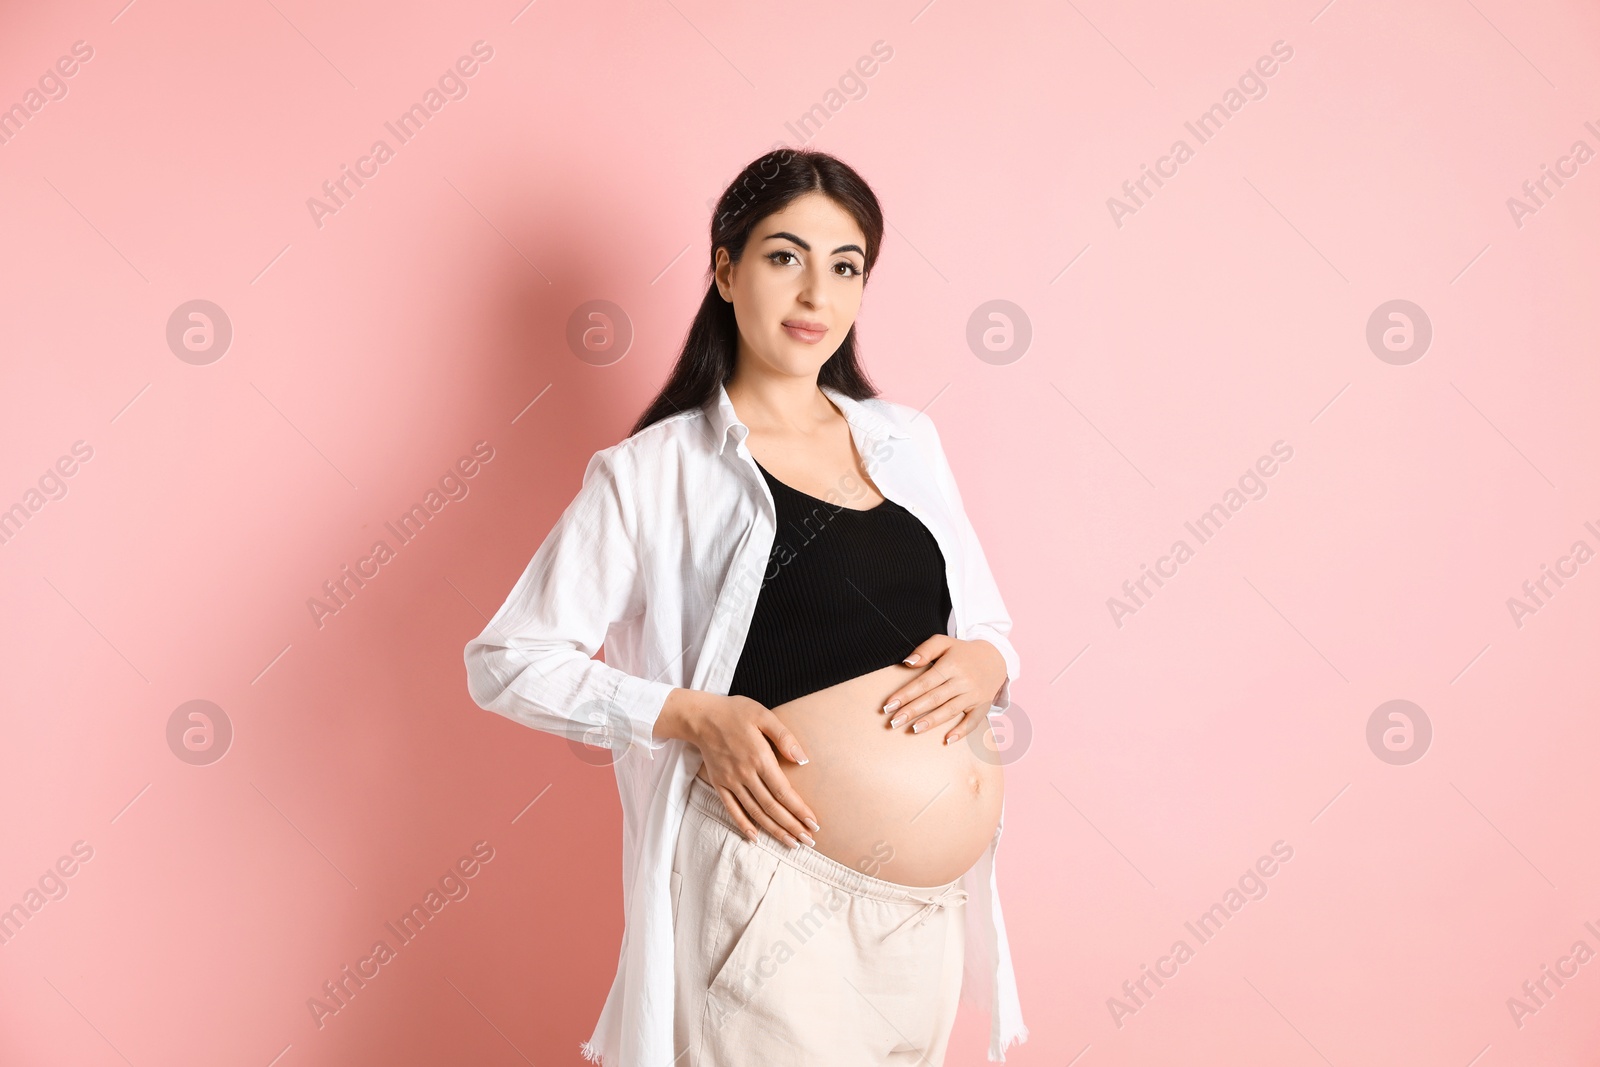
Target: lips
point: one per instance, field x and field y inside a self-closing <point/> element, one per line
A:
<point x="804" y="330"/>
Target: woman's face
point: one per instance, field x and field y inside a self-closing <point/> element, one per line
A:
<point x="797" y="288"/>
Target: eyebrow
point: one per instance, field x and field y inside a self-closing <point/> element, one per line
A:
<point x="785" y="234"/>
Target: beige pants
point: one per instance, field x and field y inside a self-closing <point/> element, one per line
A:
<point x="785" y="956"/>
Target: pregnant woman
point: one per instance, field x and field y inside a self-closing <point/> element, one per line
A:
<point x="804" y="644"/>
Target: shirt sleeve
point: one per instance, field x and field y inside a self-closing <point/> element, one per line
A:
<point x="987" y="618"/>
<point x="535" y="662"/>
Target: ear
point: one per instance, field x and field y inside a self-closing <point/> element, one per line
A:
<point x="724" y="275"/>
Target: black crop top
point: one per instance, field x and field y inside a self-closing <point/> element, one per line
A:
<point x="846" y="592"/>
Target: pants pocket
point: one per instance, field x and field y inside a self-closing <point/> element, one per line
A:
<point x="677" y="891"/>
<point x="743" y="937"/>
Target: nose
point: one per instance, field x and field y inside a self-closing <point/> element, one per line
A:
<point x="813" y="285"/>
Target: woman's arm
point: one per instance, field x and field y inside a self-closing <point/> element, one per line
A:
<point x="963" y="668"/>
<point x="987" y="617"/>
<point x="534" y="662"/>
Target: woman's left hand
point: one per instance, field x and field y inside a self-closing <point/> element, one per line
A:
<point x="962" y="676"/>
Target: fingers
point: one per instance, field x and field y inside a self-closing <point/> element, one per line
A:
<point x="782" y="738"/>
<point x="768" y="800"/>
<point x="745" y="803"/>
<point x="942" y="701"/>
<point x="901" y="698"/>
<point x="757" y="792"/>
<point x="969" y="722"/>
<point x="756" y="812"/>
<point x="929" y="650"/>
<point x="950" y="663"/>
<point x="761" y="806"/>
<point x="944" y="715"/>
<point x="788" y="807"/>
<point x="736" y="809"/>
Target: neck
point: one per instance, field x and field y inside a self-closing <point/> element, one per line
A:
<point x="770" y="404"/>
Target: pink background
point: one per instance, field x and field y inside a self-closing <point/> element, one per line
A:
<point x="1168" y="354"/>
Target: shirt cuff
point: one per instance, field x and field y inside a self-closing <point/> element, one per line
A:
<point x="1002" y="699"/>
<point x="641" y="702"/>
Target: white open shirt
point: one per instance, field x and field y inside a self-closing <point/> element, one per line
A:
<point x="660" y="558"/>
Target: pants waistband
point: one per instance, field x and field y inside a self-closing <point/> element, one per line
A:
<point x="705" y="798"/>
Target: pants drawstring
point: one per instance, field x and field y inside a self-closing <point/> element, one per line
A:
<point x="950" y="895"/>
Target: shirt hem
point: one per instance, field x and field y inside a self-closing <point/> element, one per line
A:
<point x="997" y="1050"/>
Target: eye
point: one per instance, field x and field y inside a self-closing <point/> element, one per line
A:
<point x="778" y="259"/>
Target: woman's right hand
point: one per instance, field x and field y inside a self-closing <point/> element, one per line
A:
<point x="736" y="737"/>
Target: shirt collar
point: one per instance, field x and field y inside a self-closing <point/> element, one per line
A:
<point x="724" y="420"/>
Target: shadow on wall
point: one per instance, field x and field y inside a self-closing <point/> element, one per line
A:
<point x="373" y="718"/>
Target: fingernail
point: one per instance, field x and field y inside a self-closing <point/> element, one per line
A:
<point x="813" y="824"/>
<point x="897" y="720"/>
<point x="891" y="705"/>
<point x="918" y="727"/>
<point x="799" y="757"/>
<point x="911" y="660"/>
<point x="808" y="840"/>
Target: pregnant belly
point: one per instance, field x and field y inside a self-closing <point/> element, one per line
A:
<point x="896" y="805"/>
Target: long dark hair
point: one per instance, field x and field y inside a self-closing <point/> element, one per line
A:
<point x="711" y="346"/>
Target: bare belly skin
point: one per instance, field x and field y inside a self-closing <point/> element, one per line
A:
<point x="896" y="805"/>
